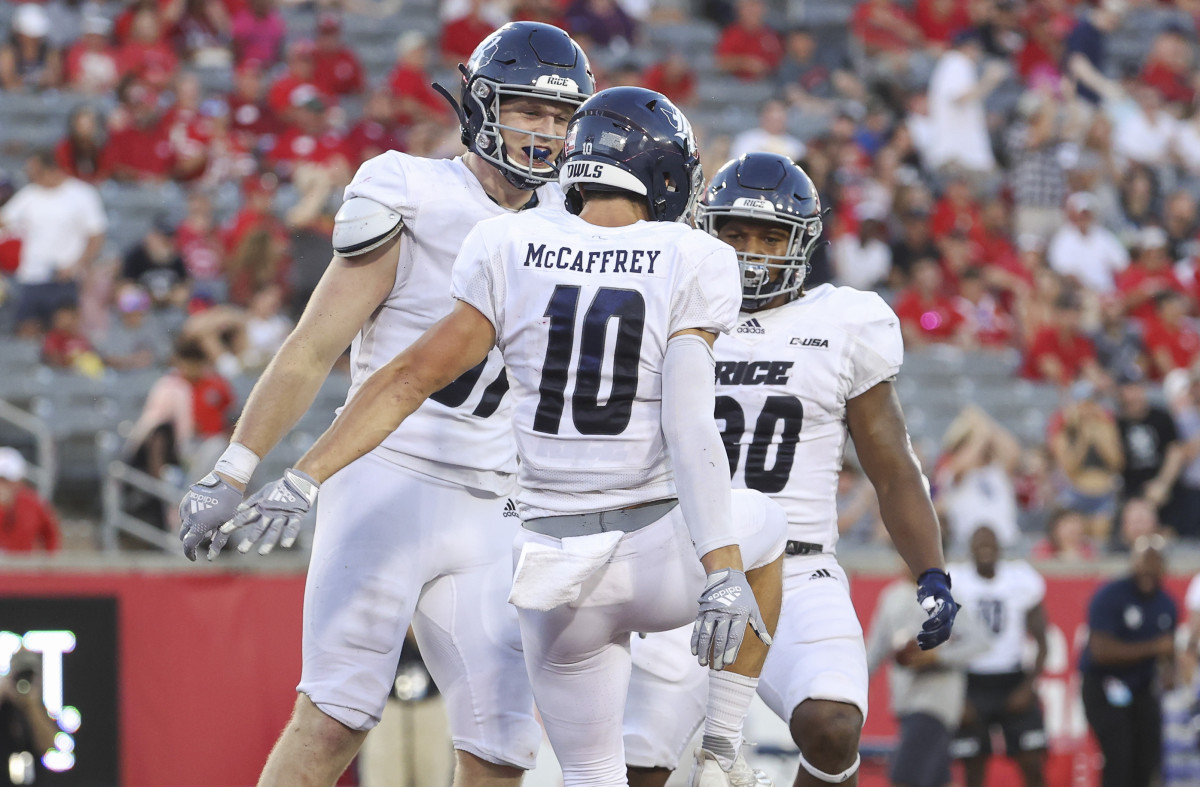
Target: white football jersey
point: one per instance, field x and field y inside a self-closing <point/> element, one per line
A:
<point x="463" y="433"/>
<point x="582" y="315"/>
<point x="1000" y="604"/>
<point x="784" y="376"/>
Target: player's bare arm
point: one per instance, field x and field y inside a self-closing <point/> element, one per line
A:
<point x="349" y="291"/>
<point x="452" y="346"/>
<point x="876" y="424"/>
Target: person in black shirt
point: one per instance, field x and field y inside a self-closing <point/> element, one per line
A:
<point x="158" y="267"/>
<point x="1149" y="440"/>
<point x="1132" y="634"/>
<point x="26" y="729"/>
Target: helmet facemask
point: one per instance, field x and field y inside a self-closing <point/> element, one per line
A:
<point x="758" y="288"/>
<point x="489" y="143"/>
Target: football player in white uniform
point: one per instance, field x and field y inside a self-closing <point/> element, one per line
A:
<point x="420" y="530"/>
<point x="803" y="369"/>
<point x="605" y="317"/>
<point x="1006" y="596"/>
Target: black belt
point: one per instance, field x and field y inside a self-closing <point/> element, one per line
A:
<point x="802" y="548"/>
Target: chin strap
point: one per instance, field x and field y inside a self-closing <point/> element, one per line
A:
<point x="458" y="110"/>
<point x="830" y="778"/>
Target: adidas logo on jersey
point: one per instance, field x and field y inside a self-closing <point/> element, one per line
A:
<point x="820" y="573"/>
<point x="753" y="372"/>
<point x="751" y="325"/>
<point x="510" y="508"/>
<point x="813" y="341"/>
<point x="202" y="503"/>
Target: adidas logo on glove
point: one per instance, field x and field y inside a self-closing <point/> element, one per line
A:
<point x="202" y="503"/>
<point x="281" y="495"/>
<point x="727" y="596"/>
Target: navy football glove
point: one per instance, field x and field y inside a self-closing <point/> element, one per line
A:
<point x="933" y="593"/>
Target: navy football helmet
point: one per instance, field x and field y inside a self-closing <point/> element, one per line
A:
<point x="770" y="188"/>
<point x="521" y="59"/>
<point x="635" y="140"/>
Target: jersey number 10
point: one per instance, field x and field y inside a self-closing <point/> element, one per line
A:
<point x="589" y="416"/>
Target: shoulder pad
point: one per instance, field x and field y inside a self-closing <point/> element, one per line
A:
<point x="363" y="224"/>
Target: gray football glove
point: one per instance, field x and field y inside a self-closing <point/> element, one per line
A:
<point x="727" y="606"/>
<point x="208" y="504"/>
<point x="276" y="510"/>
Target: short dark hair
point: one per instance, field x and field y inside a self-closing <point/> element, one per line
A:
<point x="45" y="157"/>
<point x="190" y="349"/>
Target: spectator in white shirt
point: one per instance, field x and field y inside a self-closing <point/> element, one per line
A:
<point x="771" y="135"/>
<point x="61" y="224"/>
<point x="956" y="114"/>
<point x="863" y="260"/>
<point x="1145" y="134"/>
<point x="1084" y="250"/>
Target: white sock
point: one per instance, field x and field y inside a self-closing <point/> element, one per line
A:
<point x="729" y="698"/>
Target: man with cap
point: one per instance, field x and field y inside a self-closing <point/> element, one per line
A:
<point x="26" y="521"/>
<point x="1085" y="250"/>
<point x="1131" y="639"/>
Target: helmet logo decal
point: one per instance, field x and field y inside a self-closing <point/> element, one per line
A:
<point x="555" y="80"/>
<point x="754" y="204"/>
<point x="683" y="129"/>
<point x="611" y="140"/>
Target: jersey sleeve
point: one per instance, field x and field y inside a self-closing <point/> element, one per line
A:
<point x="1033" y="585"/>
<point x="386" y="179"/>
<point x="876" y="347"/>
<point x="709" y="294"/>
<point x="473" y="279"/>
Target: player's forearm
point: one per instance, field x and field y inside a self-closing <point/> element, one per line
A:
<point x="284" y="392"/>
<point x="1109" y="651"/>
<point x="376" y="410"/>
<point x="723" y="557"/>
<point x="910" y="519"/>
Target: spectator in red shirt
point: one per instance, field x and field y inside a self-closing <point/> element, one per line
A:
<point x="748" y="48"/>
<point x="338" y="72"/>
<point x="1060" y="353"/>
<point x="957" y="211"/>
<point x="138" y="147"/>
<point x="258" y="32"/>
<point x="1168" y="68"/>
<point x="81" y="152"/>
<point x="26" y="521"/>
<point x="674" y="77"/>
<point x="251" y="119"/>
<point x="65" y="345"/>
<point x="199" y="245"/>
<point x="941" y="20"/>
<point x="410" y="82"/>
<point x="1171" y="342"/>
<point x="308" y="139"/>
<point x="1149" y="274"/>
<point x="884" y="27"/>
<point x="460" y="36"/>
<point x="298" y="83"/>
<point x="985" y="321"/>
<point x="92" y="61"/>
<point x="146" y="55"/>
<point x="927" y="315"/>
<point x="376" y="132"/>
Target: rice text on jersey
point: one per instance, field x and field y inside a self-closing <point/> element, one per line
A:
<point x="753" y="372"/>
<point x="607" y="261"/>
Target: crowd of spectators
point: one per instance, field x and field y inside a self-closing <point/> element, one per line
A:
<point x="993" y="167"/>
